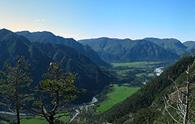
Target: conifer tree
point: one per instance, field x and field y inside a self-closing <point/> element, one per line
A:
<point x="14" y="82"/>
<point x="57" y="89"/>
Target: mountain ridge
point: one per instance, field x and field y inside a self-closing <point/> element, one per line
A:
<point x="114" y="49"/>
<point x="49" y="37"/>
<point x="39" y="55"/>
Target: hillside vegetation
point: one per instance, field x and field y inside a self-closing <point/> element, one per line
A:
<point x="147" y="49"/>
<point x="125" y="50"/>
<point x="115" y="95"/>
<point x="146" y="106"/>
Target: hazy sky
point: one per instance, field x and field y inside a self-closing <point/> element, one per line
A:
<point x="98" y="18"/>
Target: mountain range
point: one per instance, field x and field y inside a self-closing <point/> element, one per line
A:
<point x="148" y="49"/>
<point x="40" y="54"/>
<point x="48" y="37"/>
<point x="86" y="59"/>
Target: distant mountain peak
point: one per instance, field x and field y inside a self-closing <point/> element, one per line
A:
<point x="165" y="39"/>
<point x="45" y="32"/>
<point x="106" y="38"/>
<point x="5" y="31"/>
<point x="24" y="32"/>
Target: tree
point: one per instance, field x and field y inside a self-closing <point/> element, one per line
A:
<point x="57" y="89"/>
<point x="13" y="84"/>
<point x="182" y="100"/>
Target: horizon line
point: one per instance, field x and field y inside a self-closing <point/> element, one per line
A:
<point x="92" y="37"/>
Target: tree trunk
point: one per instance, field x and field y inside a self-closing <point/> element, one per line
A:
<point x="187" y="103"/>
<point x="187" y="95"/>
<point x="18" y="114"/>
<point x="51" y="118"/>
<point x="17" y="104"/>
<point x="48" y="116"/>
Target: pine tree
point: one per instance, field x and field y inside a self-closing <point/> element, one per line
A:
<point x="57" y="89"/>
<point x="13" y="85"/>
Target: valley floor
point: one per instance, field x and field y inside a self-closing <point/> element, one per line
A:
<point x="134" y="74"/>
<point x="115" y="94"/>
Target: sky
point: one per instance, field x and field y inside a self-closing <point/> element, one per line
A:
<point x="82" y="19"/>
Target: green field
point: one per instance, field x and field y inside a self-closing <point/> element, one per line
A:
<point x="36" y="120"/>
<point x="40" y="120"/>
<point x="136" y="73"/>
<point x="136" y="64"/>
<point x="115" y="95"/>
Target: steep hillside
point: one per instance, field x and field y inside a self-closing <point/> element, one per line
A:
<point x="117" y="50"/>
<point x="48" y="37"/>
<point x="190" y="45"/>
<point x="147" y="51"/>
<point x="147" y="106"/>
<point x="39" y="55"/>
<point x="172" y="45"/>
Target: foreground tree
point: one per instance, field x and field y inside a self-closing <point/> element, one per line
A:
<point x="180" y="104"/>
<point x="56" y="90"/>
<point x="14" y="84"/>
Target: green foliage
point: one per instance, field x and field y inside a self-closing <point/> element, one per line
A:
<point x="56" y="82"/>
<point x="144" y="116"/>
<point x="13" y="84"/>
<point x="145" y="97"/>
<point x="3" y="122"/>
<point x="57" y="89"/>
<point x="15" y="79"/>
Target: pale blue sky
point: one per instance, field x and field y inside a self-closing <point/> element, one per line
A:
<point x="80" y="19"/>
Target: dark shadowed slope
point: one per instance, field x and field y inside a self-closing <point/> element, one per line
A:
<point x="39" y="55"/>
<point x="48" y="37"/>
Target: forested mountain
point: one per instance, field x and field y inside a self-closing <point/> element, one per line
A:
<point x="48" y="37"/>
<point x="171" y="44"/>
<point x="39" y="55"/>
<point x="123" y="50"/>
<point x="147" y="105"/>
<point x="190" y="45"/>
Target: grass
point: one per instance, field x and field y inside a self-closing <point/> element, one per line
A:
<point x="36" y="120"/>
<point x="116" y="95"/>
<point x="40" y="120"/>
<point x="142" y="64"/>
